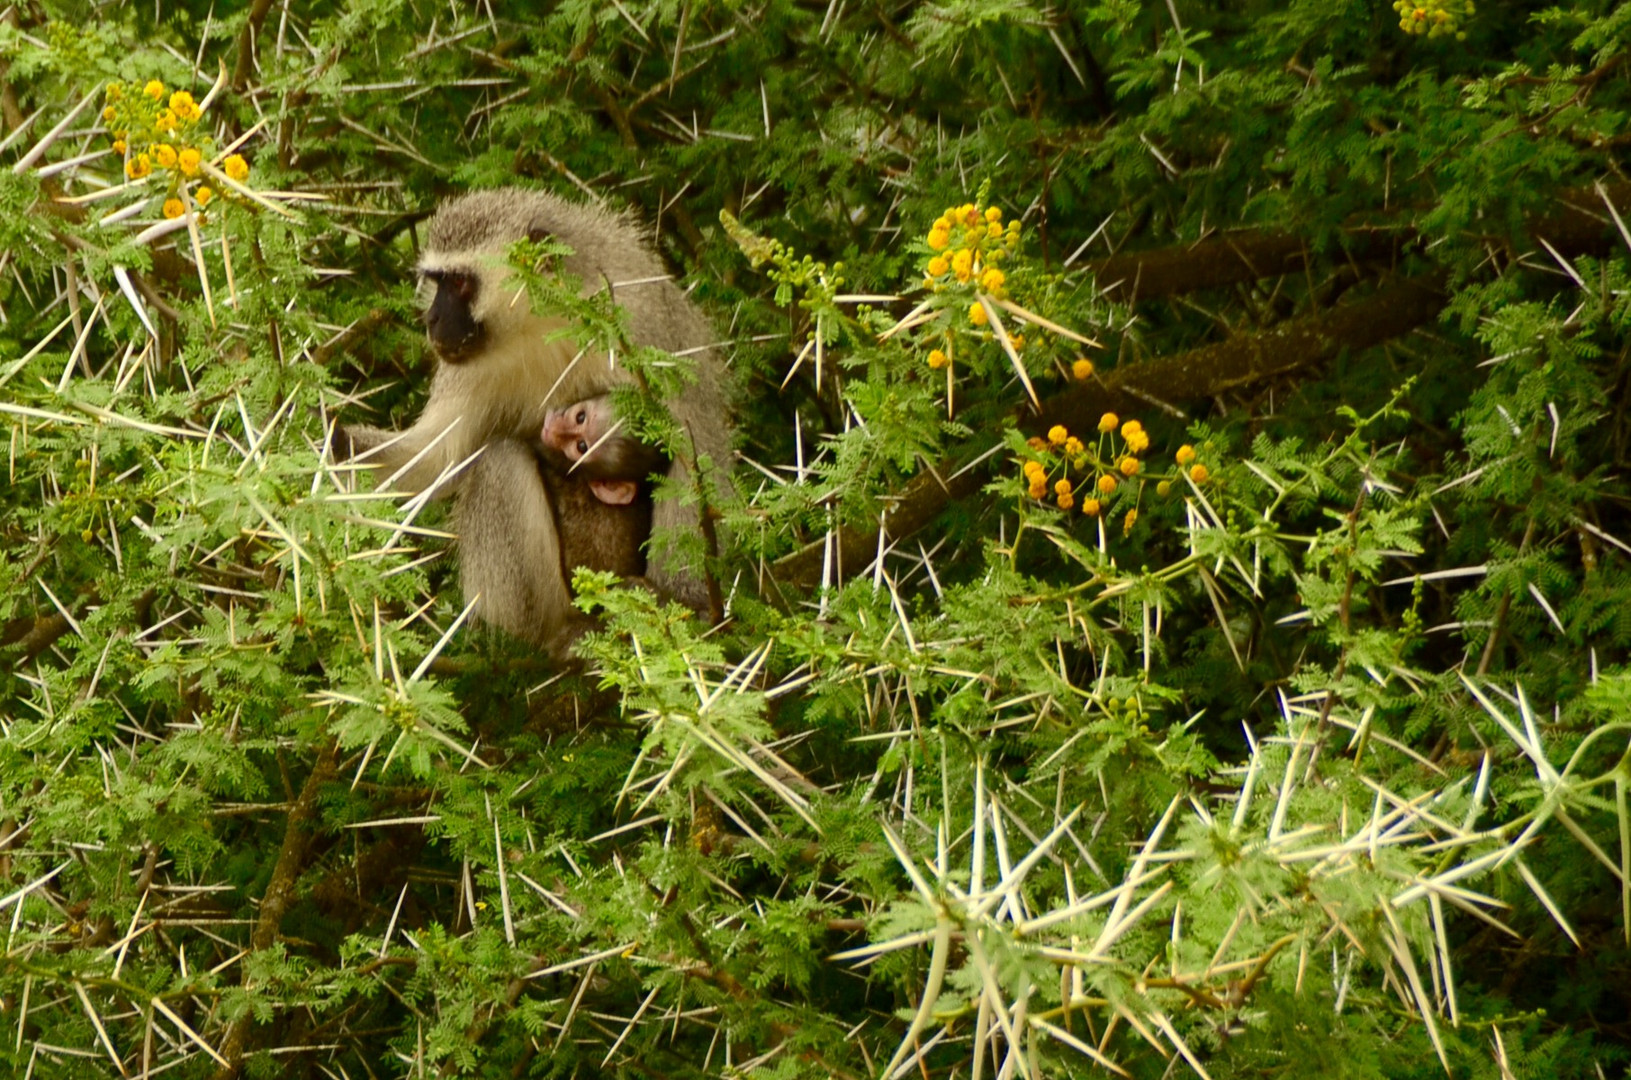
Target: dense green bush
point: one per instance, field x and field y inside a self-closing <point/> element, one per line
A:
<point x="1276" y="723"/>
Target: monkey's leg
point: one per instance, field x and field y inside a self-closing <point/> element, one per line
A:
<point x="509" y="548"/>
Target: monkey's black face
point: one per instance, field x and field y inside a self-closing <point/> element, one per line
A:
<point x="455" y="333"/>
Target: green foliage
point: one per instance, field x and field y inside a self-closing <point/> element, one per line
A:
<point x="1179" y="615"/>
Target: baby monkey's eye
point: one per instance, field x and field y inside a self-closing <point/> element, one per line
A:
<point x="583" y="416"/>
<point x="583" y="447"/>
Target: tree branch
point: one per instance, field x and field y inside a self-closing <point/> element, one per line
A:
<point x="245" y="62"/>
<point x="280" y="890"/>
<point x="1238" y="257"/>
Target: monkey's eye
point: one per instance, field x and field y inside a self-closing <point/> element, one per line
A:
<point x="583" y="447"/>
<point x="583" y="416"/>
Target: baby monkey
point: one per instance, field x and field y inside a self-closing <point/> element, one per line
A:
<point x="600" y="498"/>
<point x="584" y="438"/>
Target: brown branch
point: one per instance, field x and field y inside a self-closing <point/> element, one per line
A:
<point x="1232" y="258"/>
<point x="246" y="44"/>
<point x="363" y="327"/>
<point x="280" y="890"/>
<point x="1498" y="625"/>
<point x="1225" y="260"/>
<point x="1391" y="311"/>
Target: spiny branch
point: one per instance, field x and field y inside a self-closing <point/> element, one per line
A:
<point x="280" y="890"/>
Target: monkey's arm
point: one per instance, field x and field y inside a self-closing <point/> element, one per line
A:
<point x="453" y="424"/>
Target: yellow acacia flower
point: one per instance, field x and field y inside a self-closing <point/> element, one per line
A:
<point x="109" y="113"/>
<point x="165" y="155"/>
<point x="1036" y="442"/>
<point x="118" y="146"/>
<point x="1082" y="368"/>
<point x="937" y="359"/>
<point x="992" y="281"/>
<point x="154" y="89"/>
<point x="938" y="239"/>
<point x="1138" y="441"/>
<point x="1039" y="487"/>
<point x="173" y="208"/>
<point x="1032" y="468"/>
<point x="165" y="121"/>
<point x="188" y="161"/>
<point x="937" y="265"/>
<point x="1198" y="474"/>
<point x="116" y="91"/>
<point x="1057" y="435"/>
<point x="1129" y="466"/>
<point x="1066" y="501"/>
<point x="994" y="231"/>
<point x="1129" y="427"/>
<point x="138" y="166"/>
<point x="1108" y="422"/>
<point x="976" y="313"/>
<point x="203" y="195"/>
<point x="1185" y="454"/>
<point x="181" y="103"/>
<point x="1017" y="341"/>
<point x="1131" y="520"/>
<point x="1073" y="446"/>
<point x="1090" y="507"/>
<point x="962" y="264"/>
<point x="1107" y="484"/>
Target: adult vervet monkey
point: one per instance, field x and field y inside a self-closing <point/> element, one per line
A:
<point x="498" y="374"/>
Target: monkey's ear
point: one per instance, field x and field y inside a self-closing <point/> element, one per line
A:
<point x="536" y="232"/>
<point x="614" y="492"/>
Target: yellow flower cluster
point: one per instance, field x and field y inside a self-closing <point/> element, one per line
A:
<point x="1434" y="18"/>
<point x="165" y="125"/>
<point x="1101" y="469"/>
<point x="969" y="242"/>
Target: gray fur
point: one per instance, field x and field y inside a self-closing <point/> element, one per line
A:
<point x="494" y="404"/>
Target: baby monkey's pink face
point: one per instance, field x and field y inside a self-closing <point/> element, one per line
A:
<point x="575" y="429"/>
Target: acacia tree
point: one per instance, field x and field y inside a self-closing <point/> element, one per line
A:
<point x="1177" y="594"/>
